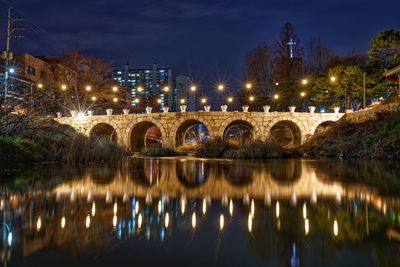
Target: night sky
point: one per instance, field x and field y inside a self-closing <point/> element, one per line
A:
<point x="206" y="38"/>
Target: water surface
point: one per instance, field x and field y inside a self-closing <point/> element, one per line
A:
<point x="190" y="212"/>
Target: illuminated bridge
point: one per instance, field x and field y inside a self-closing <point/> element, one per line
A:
<point x="137" y="131"/>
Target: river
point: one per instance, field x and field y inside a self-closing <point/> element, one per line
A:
<point x="194" y="212"/>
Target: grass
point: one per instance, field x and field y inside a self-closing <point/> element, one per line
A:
<point x="254" y="149"/>
<point x="376" y="139"/>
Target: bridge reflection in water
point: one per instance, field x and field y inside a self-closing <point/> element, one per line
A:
<point x="278" y="204"/>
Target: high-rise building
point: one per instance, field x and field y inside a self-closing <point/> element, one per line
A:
<point x="152" y="86"/>
<point x="184" y="91"/>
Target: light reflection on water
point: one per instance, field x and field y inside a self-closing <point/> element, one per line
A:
<point x="235" y="212"/>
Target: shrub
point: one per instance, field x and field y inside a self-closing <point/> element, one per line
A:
<point x="161" y="152"/>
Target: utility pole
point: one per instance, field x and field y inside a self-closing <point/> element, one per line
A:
<point x="364" y="78"/>
<point x="7" y="55"/>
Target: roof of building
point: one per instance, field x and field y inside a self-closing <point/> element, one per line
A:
<point x="394" y="70"/>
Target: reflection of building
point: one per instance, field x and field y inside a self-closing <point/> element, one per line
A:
<point x="146" y="84"/>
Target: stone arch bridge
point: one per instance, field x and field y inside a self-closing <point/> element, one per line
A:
<point x="130" y="130"/>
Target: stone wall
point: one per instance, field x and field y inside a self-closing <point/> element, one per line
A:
<point x="371" y="113"/>
<point x="216" y="123"/>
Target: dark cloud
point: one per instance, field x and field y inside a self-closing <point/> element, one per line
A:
<point x="197" y="35"/>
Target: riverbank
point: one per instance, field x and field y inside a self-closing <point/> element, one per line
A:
<point x="55" y="143"/>
<point x="374" y="138"/>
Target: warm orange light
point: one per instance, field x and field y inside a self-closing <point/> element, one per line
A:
<point x="40" y="85"/>
<point x="193" y="88"/>
<point x="221" y="87"/>
<point x="251" y="98"/>
<point x="230" y="99"/>
<point x="203" y="100"/>
<point x="183" y="101"/>
<point x="276" y="96"/>
<point x="63" y="87"/>
<point x="115" y="99"/>
<point x="115" y="89"/>
<point x="302" y="94"/>
<point x="140" y="89"/>
<point x="94" y="98"/>
<point x="88" y="88"/>
<point x="304" y="81"/>
<point x="137" y="100"/>
<point x="248" y="85"/>
<point x="158" y="101"/>
<point x="166" y="89"/>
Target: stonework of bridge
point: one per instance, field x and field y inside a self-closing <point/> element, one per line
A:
<point x="125" y="129"/>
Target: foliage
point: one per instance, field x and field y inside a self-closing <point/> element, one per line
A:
<point x="249" y="150"/>
<point x="385" y="48"/>
<point x="377" y="139"/>
<point x="161" y="152"/>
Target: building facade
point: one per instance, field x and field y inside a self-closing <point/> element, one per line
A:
<point x="149" y="87"/>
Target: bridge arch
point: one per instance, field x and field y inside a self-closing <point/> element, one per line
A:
<point x="146" y="134"/>
<point x="192" y="130"/>
<point x="287" y="131"/>
<point x="322" y="126"/>
<point x="238" y="131"/>
<point x="103" y="130"/>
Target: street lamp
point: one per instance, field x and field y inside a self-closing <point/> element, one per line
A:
<point x="94" y="98"/>
<point x="304" y="81"/>
<point x="115" y="99"/>
<point x="183" y="101"/>
<point x="140" y="89"/>
<point x="40" y="85"/>
<point x="333" y="79"/>
<point x="137" y="100"/>
<point x="193" y="88"/>
<point x="302" y="94"/>
<point x="220" y="87"/>
<point x="88" y="88"/>
<point x="63" y="87"/>
<point x="203" y="100"/>
<point x="251" y="98"/>
<point x="230" y="99"/>
<point x="248" y="85"/>
<point x="277" y="84"/>
<point x="166" y="89"/>
<point x="115" y="88"/>
<point x="11" y="70"/>
<point x="159" y="101"/>
<point x="276" y="96"/>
